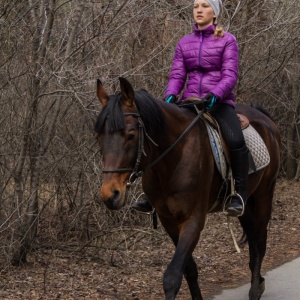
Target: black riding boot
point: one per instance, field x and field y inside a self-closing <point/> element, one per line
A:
<point x="143" y="205"/>
<point x="240" y="167"/>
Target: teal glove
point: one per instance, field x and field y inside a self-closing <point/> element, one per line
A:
<point x="211" y="99"/>
<point x="171" y="98"/>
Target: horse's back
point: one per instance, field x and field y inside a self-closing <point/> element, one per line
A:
<point x="262" y="122"/>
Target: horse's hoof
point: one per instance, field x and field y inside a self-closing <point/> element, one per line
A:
<point x="255" y="295"/>
<point x="262" y="286"/>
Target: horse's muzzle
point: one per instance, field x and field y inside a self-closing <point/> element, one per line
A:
<point x="112" y="202"/>
<point x="114" y="199"/>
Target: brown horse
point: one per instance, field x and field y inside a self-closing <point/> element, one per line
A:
<point x="141" y="136"/>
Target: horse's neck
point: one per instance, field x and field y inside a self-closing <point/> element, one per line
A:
<point x="179" y="119"/>
<point x="177" y="129"/>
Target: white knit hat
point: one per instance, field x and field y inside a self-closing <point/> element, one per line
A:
<point x="216" y="6"/>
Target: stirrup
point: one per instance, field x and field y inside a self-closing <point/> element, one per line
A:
<point x="149" y="212"/>
<point x="235" y="194"/>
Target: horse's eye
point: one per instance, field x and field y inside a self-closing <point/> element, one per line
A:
<point x="131" y="136"/>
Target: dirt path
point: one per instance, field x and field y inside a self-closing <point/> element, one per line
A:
<point x="135" y="269"/>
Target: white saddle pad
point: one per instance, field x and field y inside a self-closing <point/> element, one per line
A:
<point x="254" y="142"/>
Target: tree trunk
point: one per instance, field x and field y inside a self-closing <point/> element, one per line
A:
<point x="26" y="232"/>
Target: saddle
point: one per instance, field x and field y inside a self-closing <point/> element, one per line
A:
<point x="258" y="153"/>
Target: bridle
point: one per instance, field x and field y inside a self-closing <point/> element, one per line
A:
<point x="142" y="132"/>
<point x="134" y="171"/>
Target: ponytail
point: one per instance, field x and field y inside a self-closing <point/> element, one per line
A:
<point x="219" y="31"/>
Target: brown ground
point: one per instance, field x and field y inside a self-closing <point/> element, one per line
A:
<point x="132" y="267"/>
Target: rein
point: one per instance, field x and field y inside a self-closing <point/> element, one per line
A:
<point x="174" y="144"/>
<point x="134" y="171"/>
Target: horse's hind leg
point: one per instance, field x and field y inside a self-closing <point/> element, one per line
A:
<point x="257" y="249"/>
<point x="255" y="223"/>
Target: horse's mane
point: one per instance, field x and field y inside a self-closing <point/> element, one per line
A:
<point x="147" y="106"/>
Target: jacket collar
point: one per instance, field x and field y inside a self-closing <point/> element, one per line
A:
<point x="205" y="31"/>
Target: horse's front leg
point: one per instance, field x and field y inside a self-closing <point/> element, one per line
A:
<point x="182" y="262"/>
<point x="191" y="276"/>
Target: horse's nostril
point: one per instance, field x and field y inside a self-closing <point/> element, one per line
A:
<point x="116" y="195"/>
<point x="112" y="202"/>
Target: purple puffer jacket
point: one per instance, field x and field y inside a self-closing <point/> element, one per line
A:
<point x="209" y="64"/>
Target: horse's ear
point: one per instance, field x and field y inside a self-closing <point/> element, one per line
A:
<point x="101" y="93"/>
<point x="127" y="91"/>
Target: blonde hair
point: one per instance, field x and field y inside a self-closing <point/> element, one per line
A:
<point x="219" y="31"/>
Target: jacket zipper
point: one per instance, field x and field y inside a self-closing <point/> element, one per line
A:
<point x="200" y="49"/>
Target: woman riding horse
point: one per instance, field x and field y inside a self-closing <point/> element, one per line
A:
<point x="142" y="136"/>
<point x="208" y="60"/>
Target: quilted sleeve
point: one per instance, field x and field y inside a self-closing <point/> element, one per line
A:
<point x="229" y="68"/>
<point x="178" y="74"/>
